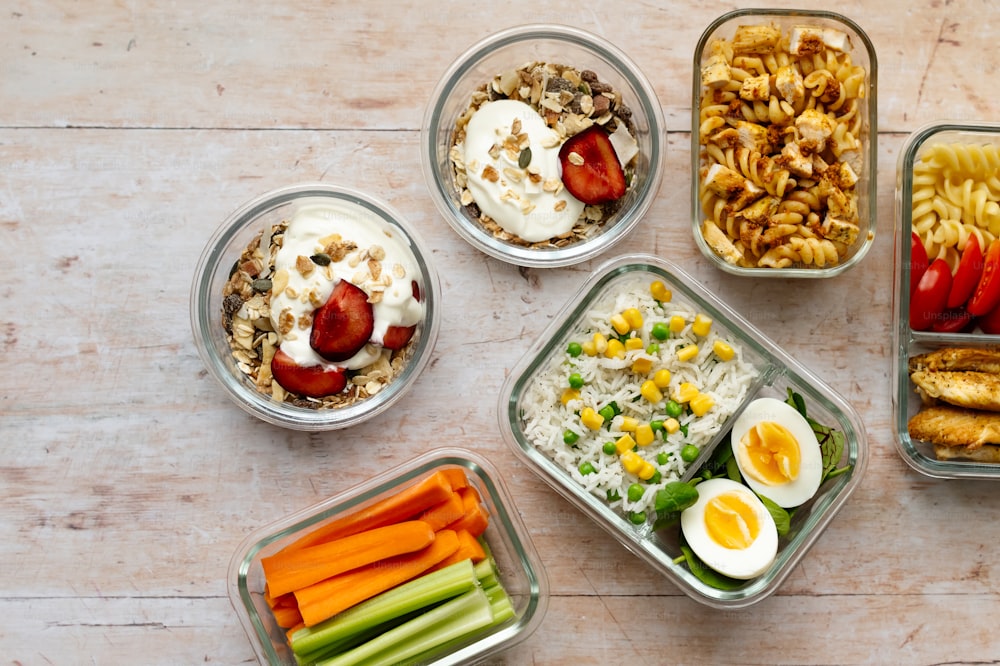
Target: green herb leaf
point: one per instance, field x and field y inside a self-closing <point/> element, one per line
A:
<point x="708" y="575"/>
<point x="733" y="470"/>
<point x="675" y="497"/>
<point x="782" y="519"/>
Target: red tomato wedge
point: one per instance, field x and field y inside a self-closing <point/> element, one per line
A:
<point x="967" y="275"/>
<point x="931" y="295"/>
<point x="987" y="294"/>
<point x="918" y="261"/>
<point x="990" y="322"/>
<point x="952" y="320"/>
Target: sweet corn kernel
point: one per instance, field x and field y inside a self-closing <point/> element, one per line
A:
<point x="633" y="317"/>
<point x="628" y="424"/>
<point x="614" y="349"/>
<point x="589" y="348"/>
<point x="671" y="426"/>
<point x="646" y="471"/>
<point x="644" y="434"/>
<point x="661" y="378"/>
<point x="685" y="392"/>
<point x="642" y="366"/>
<point x="687" y="353"/>
<point x="702" y="325"/>
<point x="701" y="403"/>
<point x="677" y="324"/>
<point x="659" y="291"/>
<point x="600" y="343"/>
<point x="569" y="394"/>
<point x="624" y="443"/>
<point x="634" y="343"/>
<point x="631" y="461"/>
<point x="591" y="419"/>
<point x="723" y="350"/>
<point x="650" y="391"/>
<point x="619" y="323"/>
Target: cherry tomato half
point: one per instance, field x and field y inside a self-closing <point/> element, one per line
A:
<point x="952" y="320"/>
<point x="989" y="323"/>
<point x="967" y="275"/>
<point x="928" y="301"/>
<point x="918" y="261"/>
<point x="987" y="294"/>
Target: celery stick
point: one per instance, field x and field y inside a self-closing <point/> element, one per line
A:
<point x="449" y="621"/>
<point x="421" y="592"/>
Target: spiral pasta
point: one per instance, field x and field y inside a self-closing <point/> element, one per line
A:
<point x="956" y="196"/>
<point x="780" y="122"/>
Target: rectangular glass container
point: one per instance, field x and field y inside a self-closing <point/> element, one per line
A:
<point x="521" y="571"/>
<point x="776" y="373"/>
<point x="863" y="115"/>
<point x="976" y="146"/>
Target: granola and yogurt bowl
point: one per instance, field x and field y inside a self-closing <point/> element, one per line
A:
<point x="314" y="307"/>
<point x="543" y="145"/>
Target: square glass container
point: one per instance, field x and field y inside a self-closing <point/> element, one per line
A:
<point x="812" y="253"/>
<point x="505" y="51"/>
<point x="961" y="150"/>
<point x="521" y="572"/>
<point x="776" y="372"/>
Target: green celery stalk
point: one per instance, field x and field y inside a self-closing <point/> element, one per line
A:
<point x="419" y="593"/>
<point x="451" y="620"/>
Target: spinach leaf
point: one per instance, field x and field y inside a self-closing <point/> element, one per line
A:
<point x="782" y="519"/>
<point x="705" y="574"/>
<point x="733" y="470"/>
<point x="675" y="497"/>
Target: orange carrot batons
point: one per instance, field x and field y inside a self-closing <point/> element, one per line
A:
<point x="441" y="515"/>
<point x="475" y="518"/>
<point x="287" y="571"/>
<point x="469" y="548"/>
<point x="456" y="476"/>
<point x="405" y="504"/>
<point x="325" y="599"/>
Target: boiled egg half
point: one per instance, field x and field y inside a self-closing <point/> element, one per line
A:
<point x="777" y="452"/>
<point x="730" y="530"/>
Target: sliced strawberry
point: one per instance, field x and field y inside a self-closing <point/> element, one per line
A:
<point x="312" y="381"/>
<point x="415" y="288"/>
<point x="343" y="324"/>
<point x="600" y="177"/>
<point x="397" y="336"/>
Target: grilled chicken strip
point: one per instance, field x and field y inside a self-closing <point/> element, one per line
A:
<point x="953" y="427"/>
<point x="986" y="359"/>
<point x="975" y="390"/>
<point x="987" y="453"/>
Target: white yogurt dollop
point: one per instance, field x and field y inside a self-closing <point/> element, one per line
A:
<point x="308" y="233"/>
<point x="529" y="202"/>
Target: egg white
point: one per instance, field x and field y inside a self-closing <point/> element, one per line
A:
<point x="803" y="487"/>
<point x="740" y="564"/>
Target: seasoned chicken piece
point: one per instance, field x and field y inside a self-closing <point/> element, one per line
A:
<point x="732" y="186"/>
<point x="754" y="136"/>
<point x="988" y="453"/>
<point x="814" y="127"/>
<point x="840" y="230"/>
<point x="806" y="40"/>
<point x="789" y="83"/>
<point x="949" y="426"/>
<point x="756" y="88"/>
<point x="720" y="243"/>
<point x="755" y="39"/>
<point x="975" y="390"/>
<point x="716" y="72"/>
<point x="982" y="359"/>
<point x="793" y="160"/>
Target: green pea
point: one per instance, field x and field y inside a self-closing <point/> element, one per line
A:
<point x="656" y="426"/>
<point x="637" y="517"/>
<point x="689" y="453"/>
<point x="660" y="331"/>
<point x="662" y="458"/>
<point x="608" y="412"/>
<point x="586" y="468"/>
<point x="609" y="448"/>
<point x="570" y="437"/>
<point x="575" y="380"/>
<point x="574" y="349"/>
<point x="653" y="480"/>
<point x="653" y="349"/>
<point x="635" y="492"/>
<point x="674" y="409"/>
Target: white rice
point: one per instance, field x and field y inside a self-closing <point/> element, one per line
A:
<point x="610" y="379"/>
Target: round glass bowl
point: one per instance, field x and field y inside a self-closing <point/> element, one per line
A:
<point x="503" y="52"/>
<point x="219" y="259"/>
<point x="725" y="226"/>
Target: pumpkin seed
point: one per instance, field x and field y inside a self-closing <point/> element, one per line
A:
<point x="321" y="259"/>
<point x="524" y="159"/>
<point x="261" y="284"/>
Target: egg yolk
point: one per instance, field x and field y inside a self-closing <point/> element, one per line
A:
<point x="770" y="453"/>
<point x="730" y="521"/>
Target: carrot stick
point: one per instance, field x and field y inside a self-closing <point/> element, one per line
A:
<point x="475" y="519"/>
<point x="289" y="571"/>
<point x="469" y="548"/>
<point x="404" y="505"/>
<point x="287" y="617"/>
<point x="456" y="476"/>
<point x="326" y="598"/>
<point x="441" y="515"/>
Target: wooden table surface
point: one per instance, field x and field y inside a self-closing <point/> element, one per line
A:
<point x="128" y="131"/>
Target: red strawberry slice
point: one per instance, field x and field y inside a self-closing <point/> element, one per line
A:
<point x="312" y="381"/>
<point x="396" y="337"/>
<point x="600" y="177"/>
<point x="343" y="324"/>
